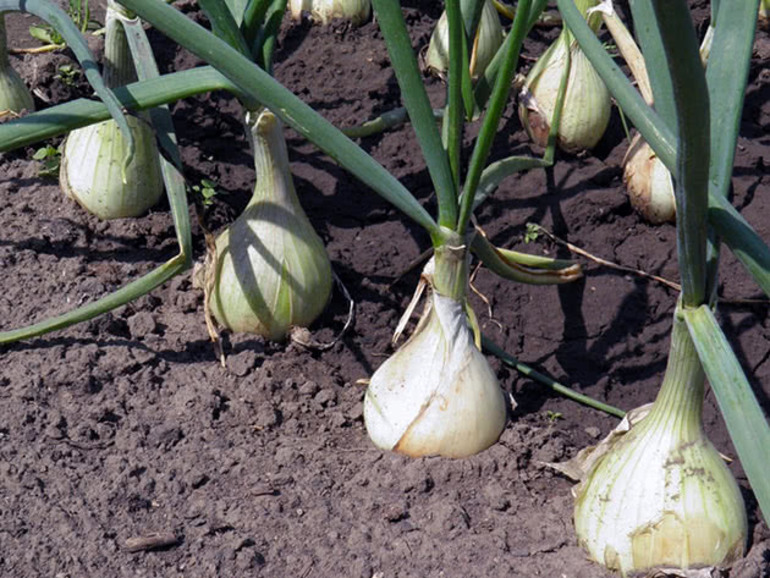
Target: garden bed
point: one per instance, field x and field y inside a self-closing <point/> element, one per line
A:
<point x="127" y="425"/>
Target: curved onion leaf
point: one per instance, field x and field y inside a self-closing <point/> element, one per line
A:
<point x="146" y="69"/>
<point x="68" y="116"/>
<point x="745" y="421"/>
<point x="415" y="99"/>
<point x="225" y="23"/>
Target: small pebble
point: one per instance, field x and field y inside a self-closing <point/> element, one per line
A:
<point x="593" y="431"/>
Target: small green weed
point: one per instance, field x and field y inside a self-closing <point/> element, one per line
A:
<point x="207" y="190"/>
<point x="68" y="74"/>
<point x="553" y="416"/>
<point x="50" y="158"/>
<point x="532" y="233"/>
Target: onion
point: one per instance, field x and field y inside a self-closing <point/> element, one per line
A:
<point x="272" y="271"/>
<point x="586" y="108"/>
<point x="649" y="183"/>
<point x="661" y="496"/>
<point x="437" y="395"/>
<point x="92" y="171"/>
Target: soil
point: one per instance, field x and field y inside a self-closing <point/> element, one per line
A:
<point x="127" y="425"/>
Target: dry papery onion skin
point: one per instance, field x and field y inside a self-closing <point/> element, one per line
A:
<point x="649" y="183"/>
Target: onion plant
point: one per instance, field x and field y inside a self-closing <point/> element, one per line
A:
<point x="661" y="496"/>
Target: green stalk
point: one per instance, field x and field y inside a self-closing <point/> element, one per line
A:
<point x="525" y="369"/>
<point x="457" y="62"/>
<point x="487" y="80"/>
<point x="171" y="164"/>
<point x="265" y="44"/>
<point x="489" y="126"/>
<point x="63" y="118"/>
<point x="415" y="99"/>
<point x="743" y="415"/>
<point x="553" y="132"/>
<point x="471" y="12"/>
<point x="655" y="60"/>
<point x="14" y="94"/>
<point x="124" y="295"/>
<point x="253" y="16"/>
<point x="691" y="97"/>
<point x="726" y="74"/>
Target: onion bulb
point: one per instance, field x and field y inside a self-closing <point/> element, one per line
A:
<point x="586" y="107"/>
<point x="661" y="496"/>
<point x="92" y="161"/>
<point x="489" y="38"/>
<point x="324" y="11"/>
<point x="649" y="183"/>
<point x="272" y="271"/>
<point x="437" y="395"/>
<point x="14" y="94"/>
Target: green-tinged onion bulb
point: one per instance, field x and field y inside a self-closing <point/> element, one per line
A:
<point x="662" y="497"/>
<point x="587" y="105"/>
<point x="437" y="395"/>
<point x="14" y="94"/>
<point x="272" y="271"/>
<point x="489" y="38"/>
<point x="92" y="160"/>
<point x="649" y="183"/>
<point x="324" y="11"/>
<point x="92" y="170"/>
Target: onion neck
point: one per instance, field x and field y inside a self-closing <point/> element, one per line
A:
<point x="450" y="277"/>
<point x="118" y="65"/>
<point x="594" y="20"/>
<point x="679" y="405"/>
<point x="271" y="160"/>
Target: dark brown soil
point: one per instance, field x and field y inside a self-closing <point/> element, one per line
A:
<point x="127" y="425"/>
